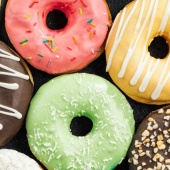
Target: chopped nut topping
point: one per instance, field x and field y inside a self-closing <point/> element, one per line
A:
<point x="168" y="141"/>
<point x="149" y="128"/>
<point x="135" y="162"/>
<point x="150" y="119"/>
<point x="159" y="166"/>
<point x="143" y="163"/>
<point x="168" y="111"/>
<point x="166" y="117"/>
<point x="166" y="124"/>
<point x="153" y="144"/>
<point x="155" y="126"/>
<point x="160" y="111"/>
<point x="168" y="166"/>
<point x="133" y="152"/>
<point x="145" y="133"/>
<point x="149" y="169"/>
<point x="143" y="138"/>
<point x="161" y="159"/>
<point x="157" y="156"/>
<point x="139" y="168"/>
<point x="142" y="154"/>
<point x="155" y="150"/>
<point x="140" y="151"/>
<point x="148" y="153"/>
<point x="165" y="132"/>
<point x="160" y="137"/>
<point x="147" y="145"/>
<point x="147" y="140"/>
<point x="167" y="161"/>
<point x="136" y="156"/>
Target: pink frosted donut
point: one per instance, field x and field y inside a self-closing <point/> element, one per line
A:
<point x="57" y="51"/>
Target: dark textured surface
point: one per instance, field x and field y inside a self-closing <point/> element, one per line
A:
<point x="19" y="142"/>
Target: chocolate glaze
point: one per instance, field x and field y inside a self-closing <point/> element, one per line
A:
<point x="16" y="99"/>
<point x="159" y="118"/>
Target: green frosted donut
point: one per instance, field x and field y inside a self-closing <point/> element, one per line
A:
<point x="68" y="96"/>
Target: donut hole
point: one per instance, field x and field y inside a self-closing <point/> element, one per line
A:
<point x="81" y="126"/>
<point x="56" y="20"/>
<point x="159" y="48"/>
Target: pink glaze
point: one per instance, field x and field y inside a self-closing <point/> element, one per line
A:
<point x="69" y="56"/>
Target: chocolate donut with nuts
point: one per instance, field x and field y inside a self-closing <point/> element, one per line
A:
<point x="150" y="149"/>
<point x="16" y="89"/>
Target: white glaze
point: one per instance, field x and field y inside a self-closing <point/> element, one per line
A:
<point x="161" y="83"/>
<point x="165" y="19"/>
<point x="142" y="61"/>
<point x="140" y="17"/>
<point x="119" y="34"/>
<point x="113" y="26"/>
<point x="11" y="86"/>
<point x="132" y="49"/>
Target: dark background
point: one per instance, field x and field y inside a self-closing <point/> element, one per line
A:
<point x="19" y="142"/>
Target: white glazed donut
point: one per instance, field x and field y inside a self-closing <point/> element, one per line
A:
<point x="13" y="160"/>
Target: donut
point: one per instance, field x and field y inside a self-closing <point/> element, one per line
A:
<point x="11" y="159"/>
<point x="150" y="148"/>
<point x="58" y="51"/>
<point x="142" y="77"/>
<point x="67" y="97"/>
<point x="16" y="89"/>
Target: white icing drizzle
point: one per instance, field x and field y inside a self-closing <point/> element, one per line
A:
<point x="12" y="86"/>
<point x="148" y="75"/>
<point x="140" y="17"/>
<point x="161" y="84"/>
<point x="13" y="112"/>
<point x="119" y="34"/>
<point x="132" y="49"/>
<point x="113" y="26"/>
<point x="165" y="19"/>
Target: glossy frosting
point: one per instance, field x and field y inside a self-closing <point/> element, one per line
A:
<point x="16" y="88"/>
<point x="65" y="97"/>
<point x="142" y="77"/>
<point x="28" y="22"/>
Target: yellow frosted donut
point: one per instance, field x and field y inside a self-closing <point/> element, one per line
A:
<point x="130" y="65"/>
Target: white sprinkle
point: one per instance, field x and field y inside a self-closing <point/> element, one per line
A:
<point x="57" y="56"/>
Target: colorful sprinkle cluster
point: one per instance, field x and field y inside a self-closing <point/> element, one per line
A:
<point x="48" y="42"/>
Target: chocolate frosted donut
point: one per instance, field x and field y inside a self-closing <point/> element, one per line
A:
<point x="16" y="88"/>
<point x="150" y="149"/>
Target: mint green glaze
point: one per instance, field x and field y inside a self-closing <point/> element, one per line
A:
<point x="68" y="96"/>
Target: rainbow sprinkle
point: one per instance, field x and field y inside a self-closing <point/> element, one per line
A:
<point x="51" y="44"/>
<point x="108" y="25"/>
<point x="46" y="41"/>
<point x="29" y="15"/>
<point x="55" y="49"/>
<point x="98" y="50"/>
<point x="32" y="4"/>
<point x="29" y="58"/>
<point x="40" y="55"/>
<point x="91" y="35"/>
<point x="24" y="41"/>
<point x="49" y="39"/>
<point x="94" y="25"/>
<point x="89" y="21"/>
<point x="83" y="3"/>
<point x="69" y="48"/>
<point x="38" y="60"/>
<point x="73" y="59"/>
<point x="75" y="40"/>
<point x="49" y="63"/>
<point x="81" y="12"/>
<point x="23" y="44"/>
<point x="38" y="12"/>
